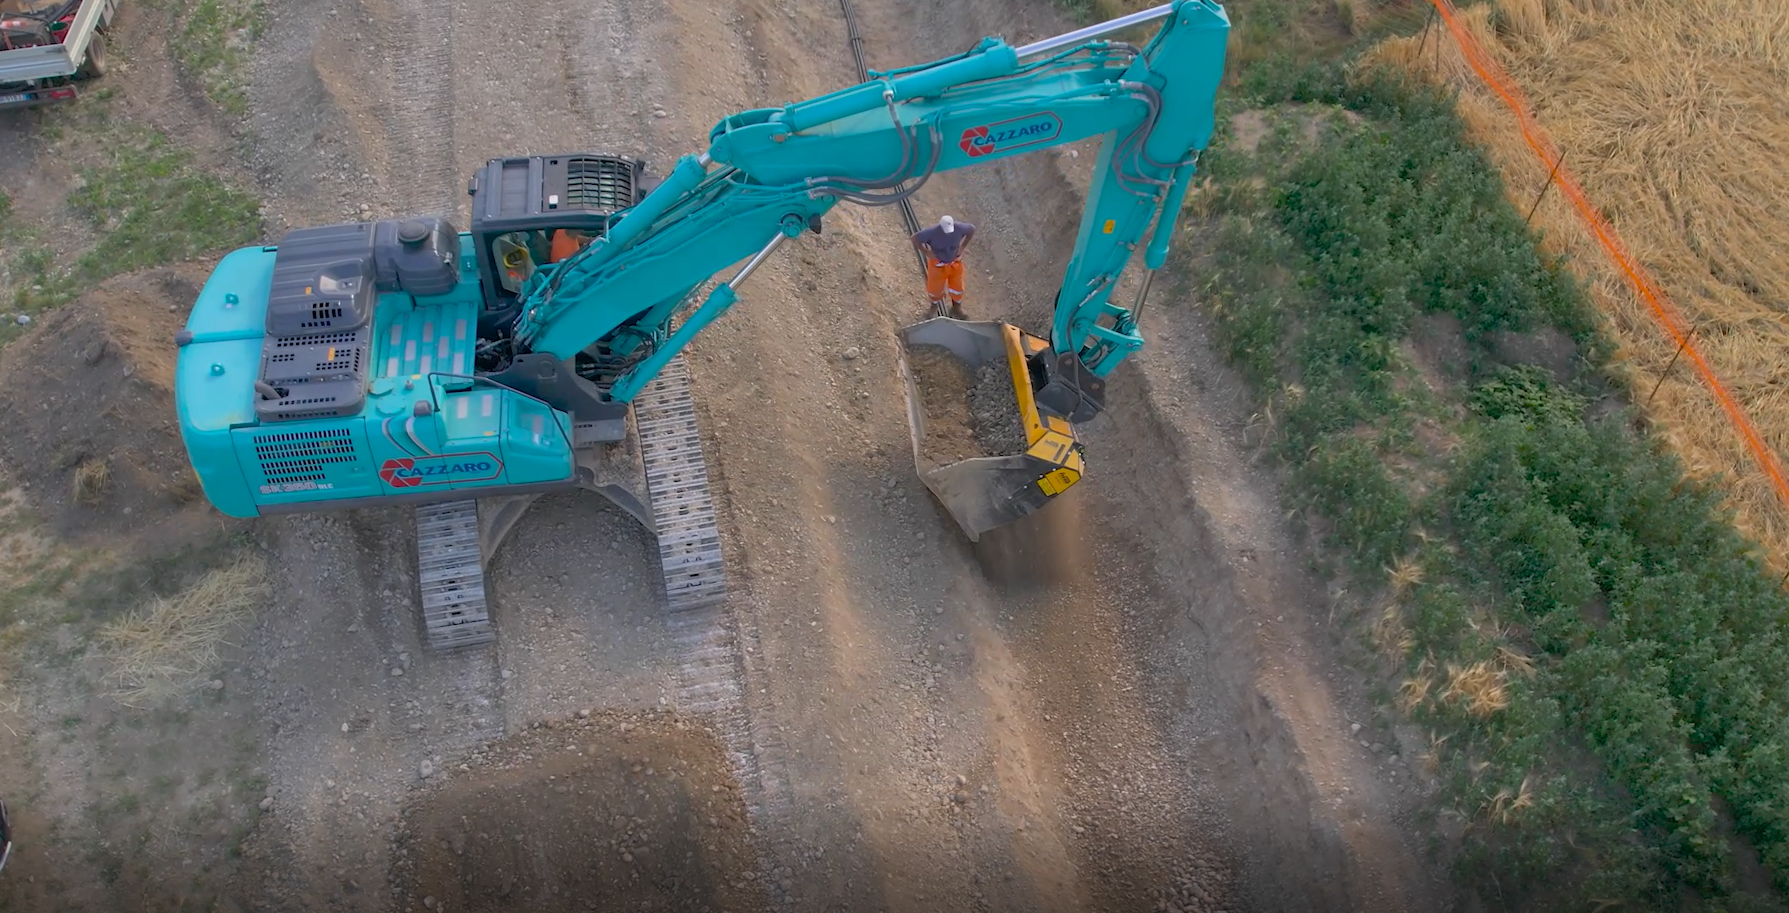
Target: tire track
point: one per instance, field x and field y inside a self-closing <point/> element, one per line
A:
<point x="422" y="179"/>
<point x="419" y="36"/>
<point x="707" y="634"/>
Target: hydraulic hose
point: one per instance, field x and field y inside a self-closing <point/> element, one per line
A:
<point x="908" y="219"/>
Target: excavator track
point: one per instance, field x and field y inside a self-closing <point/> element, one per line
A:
<point x="689" y="539"/>
<point x="712" y="665"/>
<point x="450" y="567"/>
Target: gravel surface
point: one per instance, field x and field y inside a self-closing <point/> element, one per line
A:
<point x="994" y="403"/>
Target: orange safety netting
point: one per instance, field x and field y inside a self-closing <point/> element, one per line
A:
<point x="1498" y="81"/>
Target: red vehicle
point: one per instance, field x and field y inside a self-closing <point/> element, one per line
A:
<point x="49" y="47"/>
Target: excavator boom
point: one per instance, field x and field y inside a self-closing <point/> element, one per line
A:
<point x="770" y="173"/>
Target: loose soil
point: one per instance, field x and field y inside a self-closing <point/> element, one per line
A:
<point x="968" y="414"/>
<point x="943" y="382"/>
<point x="89" y="392"/>
<point x="609" y="812"/>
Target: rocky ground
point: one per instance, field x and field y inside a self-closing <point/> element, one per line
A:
<point x="1132" y="703"/>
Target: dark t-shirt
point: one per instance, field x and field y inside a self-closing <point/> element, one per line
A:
<point x="945" y="246"/>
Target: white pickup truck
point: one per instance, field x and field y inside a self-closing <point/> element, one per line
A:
<point x="49" y="47"/>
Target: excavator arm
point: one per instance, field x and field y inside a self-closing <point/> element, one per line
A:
<point x="770" y="174"/>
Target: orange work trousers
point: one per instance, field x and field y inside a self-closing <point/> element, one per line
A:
<point x="944" y="279"/>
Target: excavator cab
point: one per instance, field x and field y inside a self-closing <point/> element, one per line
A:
<point x="529" y="211"/>
<point x="984" y="443"/>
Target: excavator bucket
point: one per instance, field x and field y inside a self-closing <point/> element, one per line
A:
<point x="980" y="442"/>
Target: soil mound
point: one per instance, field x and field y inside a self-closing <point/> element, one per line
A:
<point x="88" y="397"/>
<point x="613" y="812"/>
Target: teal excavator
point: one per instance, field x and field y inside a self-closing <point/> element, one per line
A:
<point x="405" y="362"/>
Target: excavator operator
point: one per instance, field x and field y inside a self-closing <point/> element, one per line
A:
<point x="943" y="245"/>
<point x="566" y="241"/>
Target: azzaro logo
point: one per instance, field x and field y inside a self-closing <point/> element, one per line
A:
<point x="1014" y="133"/>
<point x="414" y="472"/>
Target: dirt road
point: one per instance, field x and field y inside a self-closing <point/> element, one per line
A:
<point x="1149" y="715"/>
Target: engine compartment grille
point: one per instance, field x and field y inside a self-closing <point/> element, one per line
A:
<point x="302" y="456"/>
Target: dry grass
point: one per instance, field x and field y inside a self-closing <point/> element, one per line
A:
<point x="1503" y="806"/>
<point x="1414" y="692"/>
<point x="1408" y="572"/>
<point x="1391" y="636"/>
<point x="1479" y="687"/>
<point x="167" y="646"/>
<point x="1673" y="117"/>
<point x="1512" y="661"/>
<point x="91" y="478"/>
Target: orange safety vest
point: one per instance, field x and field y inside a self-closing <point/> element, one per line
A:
<point x="563" y="246"/>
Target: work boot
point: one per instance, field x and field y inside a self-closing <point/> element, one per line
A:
<point x="956" y="311"/>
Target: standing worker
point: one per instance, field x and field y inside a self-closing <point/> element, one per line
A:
<point x="943" y="245"/>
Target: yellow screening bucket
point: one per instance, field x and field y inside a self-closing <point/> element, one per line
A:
<point x="980" y="442"/>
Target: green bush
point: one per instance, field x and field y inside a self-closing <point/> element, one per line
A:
<point x="1344" y="479"/>
<point x="1655" y="715"/>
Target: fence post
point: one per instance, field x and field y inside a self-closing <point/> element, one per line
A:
<point x="1672" y="363"/>
<point x="1551" y="176"/>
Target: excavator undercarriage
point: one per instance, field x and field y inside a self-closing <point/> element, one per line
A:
<point x="656" y="474"/>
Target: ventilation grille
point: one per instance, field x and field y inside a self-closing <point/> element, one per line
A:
<point x="302" y="456"/>
<point x="323" y="314"/>
<point x="599" y="184"/>
<point x="346" y="361"/>
<point x="318" y="399"/>
<point x="323" y="374"/>
<point x="324" y="339"/>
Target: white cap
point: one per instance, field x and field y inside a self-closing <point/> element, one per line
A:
<point x="948" y="224"/>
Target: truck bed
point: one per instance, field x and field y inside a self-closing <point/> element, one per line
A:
<point x="29" y="75"/>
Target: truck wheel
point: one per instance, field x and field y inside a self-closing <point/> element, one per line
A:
<point x="95" y="65"/>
